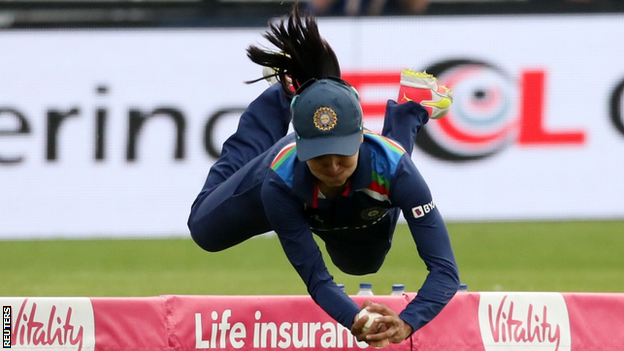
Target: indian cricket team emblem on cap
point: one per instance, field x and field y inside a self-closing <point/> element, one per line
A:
<point x="325" y="118"/>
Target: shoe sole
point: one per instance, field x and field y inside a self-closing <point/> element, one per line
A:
<point x="423" y="80"/>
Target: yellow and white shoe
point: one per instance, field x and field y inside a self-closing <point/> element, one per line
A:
<point x="424" y="89"/>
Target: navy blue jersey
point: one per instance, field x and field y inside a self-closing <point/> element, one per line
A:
<point x="259" y="185"/>
<point x="385" y="182"/>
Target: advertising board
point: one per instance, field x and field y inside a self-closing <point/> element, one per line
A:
<point x="107" y="133"/>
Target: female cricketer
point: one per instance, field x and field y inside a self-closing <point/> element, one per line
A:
<point x="331" y="178"/>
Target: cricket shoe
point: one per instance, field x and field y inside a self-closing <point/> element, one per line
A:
<point x="424" y="89"/>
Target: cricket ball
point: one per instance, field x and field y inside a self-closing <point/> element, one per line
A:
<point x="371" y="318"/>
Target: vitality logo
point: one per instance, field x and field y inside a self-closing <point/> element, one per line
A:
<point x="515" y="321"/>
<point x="54" y="324"/>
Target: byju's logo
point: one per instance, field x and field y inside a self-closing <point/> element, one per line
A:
<point x="524" y="321"/>
<point x="421" y="211"/>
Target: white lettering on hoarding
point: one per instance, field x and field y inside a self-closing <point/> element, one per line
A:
<point x="222" y="333"/>
<point x="285" y="335"/>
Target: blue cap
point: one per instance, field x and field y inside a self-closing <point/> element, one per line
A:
<point x="327" y="118"/>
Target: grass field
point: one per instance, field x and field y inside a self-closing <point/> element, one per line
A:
<point x="542" y="256"/>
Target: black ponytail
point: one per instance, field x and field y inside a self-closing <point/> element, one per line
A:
<point x="302" y="53"/>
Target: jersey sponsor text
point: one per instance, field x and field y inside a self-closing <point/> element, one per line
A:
<point x="422" y="210"/>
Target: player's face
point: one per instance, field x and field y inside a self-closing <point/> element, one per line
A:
<point x="333" y="170"/>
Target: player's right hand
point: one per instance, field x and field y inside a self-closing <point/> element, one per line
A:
<point x="394" y="328"/>
<point x="372" y="336"/>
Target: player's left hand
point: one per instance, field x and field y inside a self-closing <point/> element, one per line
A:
<point x="389" y="327"/>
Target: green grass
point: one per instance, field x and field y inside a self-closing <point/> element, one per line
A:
<point x="542" y="256"/>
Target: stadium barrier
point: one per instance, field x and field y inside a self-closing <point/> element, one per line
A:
<point x="474" y="321"/>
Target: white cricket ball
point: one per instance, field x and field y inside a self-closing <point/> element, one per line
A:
<point x="371" y="318"/>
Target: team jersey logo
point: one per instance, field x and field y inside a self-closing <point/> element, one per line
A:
<point x="422" y="210"/>
<point x="325" y="119"/>
<point x="373" y="213"/>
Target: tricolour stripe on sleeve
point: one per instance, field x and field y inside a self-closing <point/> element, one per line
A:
<point x="283" y="155"/>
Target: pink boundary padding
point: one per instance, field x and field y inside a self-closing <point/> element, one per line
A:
<point x="130" y="324"/>
<point x="287" y="323"/>
<point x="455" y="328"/>
<point x="596" y="320"/>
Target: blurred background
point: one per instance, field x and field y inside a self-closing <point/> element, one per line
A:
<point x="112" y="112"/>
<point x="189" y="13"/>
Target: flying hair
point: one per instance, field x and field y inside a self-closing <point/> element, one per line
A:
<point x="302" y="54"/>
